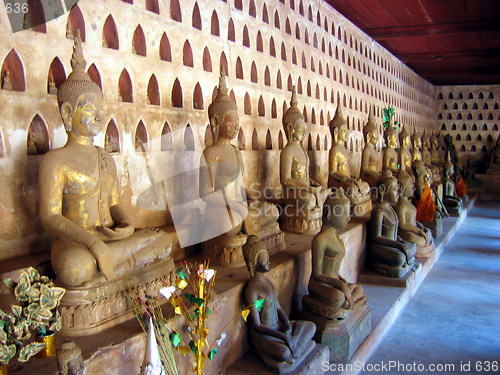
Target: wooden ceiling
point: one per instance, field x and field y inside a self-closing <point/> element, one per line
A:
<point x="448" y="42"/>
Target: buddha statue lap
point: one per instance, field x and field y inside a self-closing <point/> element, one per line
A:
<point x="340" y="174"/>
<point x="330" y="295"/>
<point x="409" y="228"/>
<point x="370" y="158"/>
<point x="451" y="202"/>
<point x="302" y="196"/>
<point x="79" y="197"/>
<point x="224" y="174"/>
<point x="494" y="162"/>
<point x="390" y="157"/>
<point x="280" y="343"/>
<point x="405" y="156"/>
<point x="388" y="254"/>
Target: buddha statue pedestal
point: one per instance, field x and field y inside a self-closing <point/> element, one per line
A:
<point x="436" y="225"/>
<point x="89" y="310"/>
<point x="301" y="221"/>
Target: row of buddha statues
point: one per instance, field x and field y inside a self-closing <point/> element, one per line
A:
<point x="96" y="243"/>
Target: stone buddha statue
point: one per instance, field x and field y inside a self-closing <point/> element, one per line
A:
<point x="494" y="162"/>
<point x="390" y="158"/>
<point x="416" y="152"/>
<point x="303" y="197"/>
<point x="450" y="150"/>
<point x="340" y="174"/>
<point x="69" y="359"/>
<point x="452" y="203"/>
<point x="223" y="174"/>
<point x="330" y="295"/>
<point x="280" y="343"/>
<point x="370" y="158"/>
<point x="410" y="229"/>
<point x="405" y="158"/>
<point x="388" y="254"/>
<point x="435" y="174"/>
<point x="79" y="195"/>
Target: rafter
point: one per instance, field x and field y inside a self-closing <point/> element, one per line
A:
<point x="462" y="55"/>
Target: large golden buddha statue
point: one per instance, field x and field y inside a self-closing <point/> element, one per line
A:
<point x="340" y="174"/>
<point x="410" y="229"/>
<point x="79" y="195"/>
<point x="371" y="158"/>
<point x="390" y="158"/>
<point x="388" y="253"/>
<point x="222" y="188"/>
<point x="405" y="158"/>
<point x="303" y="197"/>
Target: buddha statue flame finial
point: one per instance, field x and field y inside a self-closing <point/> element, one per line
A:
<point x="222" y="82"/>
<point x="339" y="119"/>
<point x="292" y="114"/>
<point x="77" y="59"/>
<point x="293" y="101"/>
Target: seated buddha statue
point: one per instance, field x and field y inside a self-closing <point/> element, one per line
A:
<point x="79" y="195"/>
<point x="494" y="162"/>
<point x="330" y="295"/>
<point x="389" y="254"/>
<point x="280" y="343"/>
<point x="370" y="158"/>
<point x="223" y="178"/>
<point x="410" y="229"/>
<point x="416" y="151"/>
<point x="303" y="197"/>
<point x="452" y="203"/>
<point x="340" y="174"/>
<point x="404" y="153"/>
<point x="390" y="158"/>
<point x="435" y="174"/>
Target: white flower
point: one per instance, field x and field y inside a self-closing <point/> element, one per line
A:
<point x="207" y="274"/>
<point x="222" y="337"/>
<point x="167" y="291"/>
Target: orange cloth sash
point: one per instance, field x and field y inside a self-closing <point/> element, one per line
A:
<point x="426" y="206"/>
<point x="461" y="188"/>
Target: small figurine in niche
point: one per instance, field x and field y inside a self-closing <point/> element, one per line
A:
<point x="69" y="359"/>
<point x="452" y="203"/>
<point x="330" y="295"/>
<point x="404" y="151"/>
<point x="370" y="158"/>
<point x="390" y="155"/>
<point x="280" y="343"/>
<point x="79" y="197"/>
<point x="410" y="229"/>
<point x="340" y="174"/>
<point x="7" y="83"/>
<point x="388" y="254"/>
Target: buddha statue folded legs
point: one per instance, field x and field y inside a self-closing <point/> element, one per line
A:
<point x="388" y="253"/>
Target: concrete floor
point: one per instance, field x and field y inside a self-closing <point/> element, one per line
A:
<point x="454" y="317"/>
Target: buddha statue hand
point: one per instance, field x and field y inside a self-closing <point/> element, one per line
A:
<point x="105" y="259"/>
<point x="119" y="232"/>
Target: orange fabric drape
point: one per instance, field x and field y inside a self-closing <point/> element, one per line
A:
<point x="461" y="188"/>
<point x="426" y="206"/>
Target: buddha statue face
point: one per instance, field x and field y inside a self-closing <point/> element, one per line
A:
<point x="392" y="140"/>
<point x="342" y="133"/>
<point x="392" y="192"/>
<point x="298" y="131"/>
<point x="427" y="143"/>
<point x="417" y="143"/>
<point x="85" y="119"/>
<point x="338" y="213"/>
<point x="230" y="125"/>
<point x="405" y="141"/>
<point x="407" y="188"/>
<point x="262" y="263"/>
<point x="372" y="137"/>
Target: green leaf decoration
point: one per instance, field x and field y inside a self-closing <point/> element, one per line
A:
<point x="50" y="297"/>
<point x="7" y="352"/>
<point x="396" y="149"/>
<point x="259" y="304"/>
<point x="212" y="353"/>
<point x="176" y="339"/>
<point x="11" y="284"/>
<point x="3" y="336"/>
<point x="181" y="274"/>
<point x="22" y="287"/>
<point x="17" y="311"/>
<point x="208" y="311"/>
<point x="33" y="274"/>
<point x="193" y="299"/>
<point x="192" y="346"/>
<point x="29" y="351"/>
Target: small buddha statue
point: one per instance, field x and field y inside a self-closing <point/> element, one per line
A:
<point x="390" y="158"/>
<point x="280" y="343"/>
<point x="449" y="149"/>
<point x="224" y="174"/>
<point x="330" y="295"/>
<point x="388" y="254"/>
<point x="52" y="85"/>
<point x="452" y="203"/>
<point x="7" y="82"/>
<point x="340" y="174"/>
<point x="31" y="144"/>
<point x="300" y="192"/>
<point x="405" y="158"/>
<point x="435" y="174"/>
<point x="494" y="162"/>
<point x="416" y="152"/>
<point x="370" y="158"/>
<point x="410" y="229"/>
<point x="79" y="196"/>
<point x="69" y="359"/>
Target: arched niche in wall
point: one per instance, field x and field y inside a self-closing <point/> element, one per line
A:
<point x="209" y="136"/>
<point x="276" y="19"/>
<point x="288" y="27"/>
<point x="152" y="6"/>
<point x="141" y="138"/>
<point x="252" y="12"/>
<point x="272" y="47"/>
<point x="94" y="75"/>
<point x="230" y="31"/>
<point x="267" y="77"/>
<point x="207" y="60"/>
<point x="110" y="34"/>
<point x="241" y="140"/>
<point x="238" y="4"/>
<point x="253" y="73"/>
<point x="299" y="85"/>
<point x="165" y="50"/>
<point x="261" y="107"/>
<point x="38" y="137"/>
<point x="75" y="22"/>
<point x="274" y="110"/>
<point x="239" y="69"/>
<point x="269" y="140"/>
<point x="112" y="137"/>
<point x="259" y="42"/>
<point x="13" y="73"/>
<point x="34" y="19"/>
<point x="278" y="80"/>
<point x="2" y="145"/>
<point x="166" y="138"/>
<point x="56" y="76"/>
<point x="125" y="89"/>
<point x="255" y="140"/>
<point x="246" y="37"/>
<point x="280" y="140"/>
<point x="313" y="116"/>
<point x="189" y="138"/>
<point x="318" y="142"/>
<point x="198" y="97"/>
<point x="175" y="10"/>
<point x="187" y="54"/>
<point x="139" y="42"/>
<point x="177" y="97"/>
<point x="214" y="24"/>
<point x="196" y="17"/>
<point x="153" y="91"/>
<point x="247" y="106"/>
<point x="223" y="63"/>
<point x="309" y="143"/>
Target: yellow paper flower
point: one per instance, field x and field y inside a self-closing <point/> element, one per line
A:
<point x="182" y="283"/>
<point x="245" y="313"/>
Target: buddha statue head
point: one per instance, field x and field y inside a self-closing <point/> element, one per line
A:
<point x="418" y="168"/>
<point x="337" y="209"/>
<point x="255" y="255"/>
<point x="404" y="137"/>
<point x="387" y="186"/>
<point x="293" y="120"/>
<point x="370" y="130"/>
<point x="426" y="140"/>
<point x="448" y="165"/>
<point x="416" y="140"/>
<point x="338" y="126"/>
<point x="391" y="135"/>
<point x="223" y="113"/>
<point x="69" y="359"/>
<point x="406" y="185"/>
<point x="79" y="98"/>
